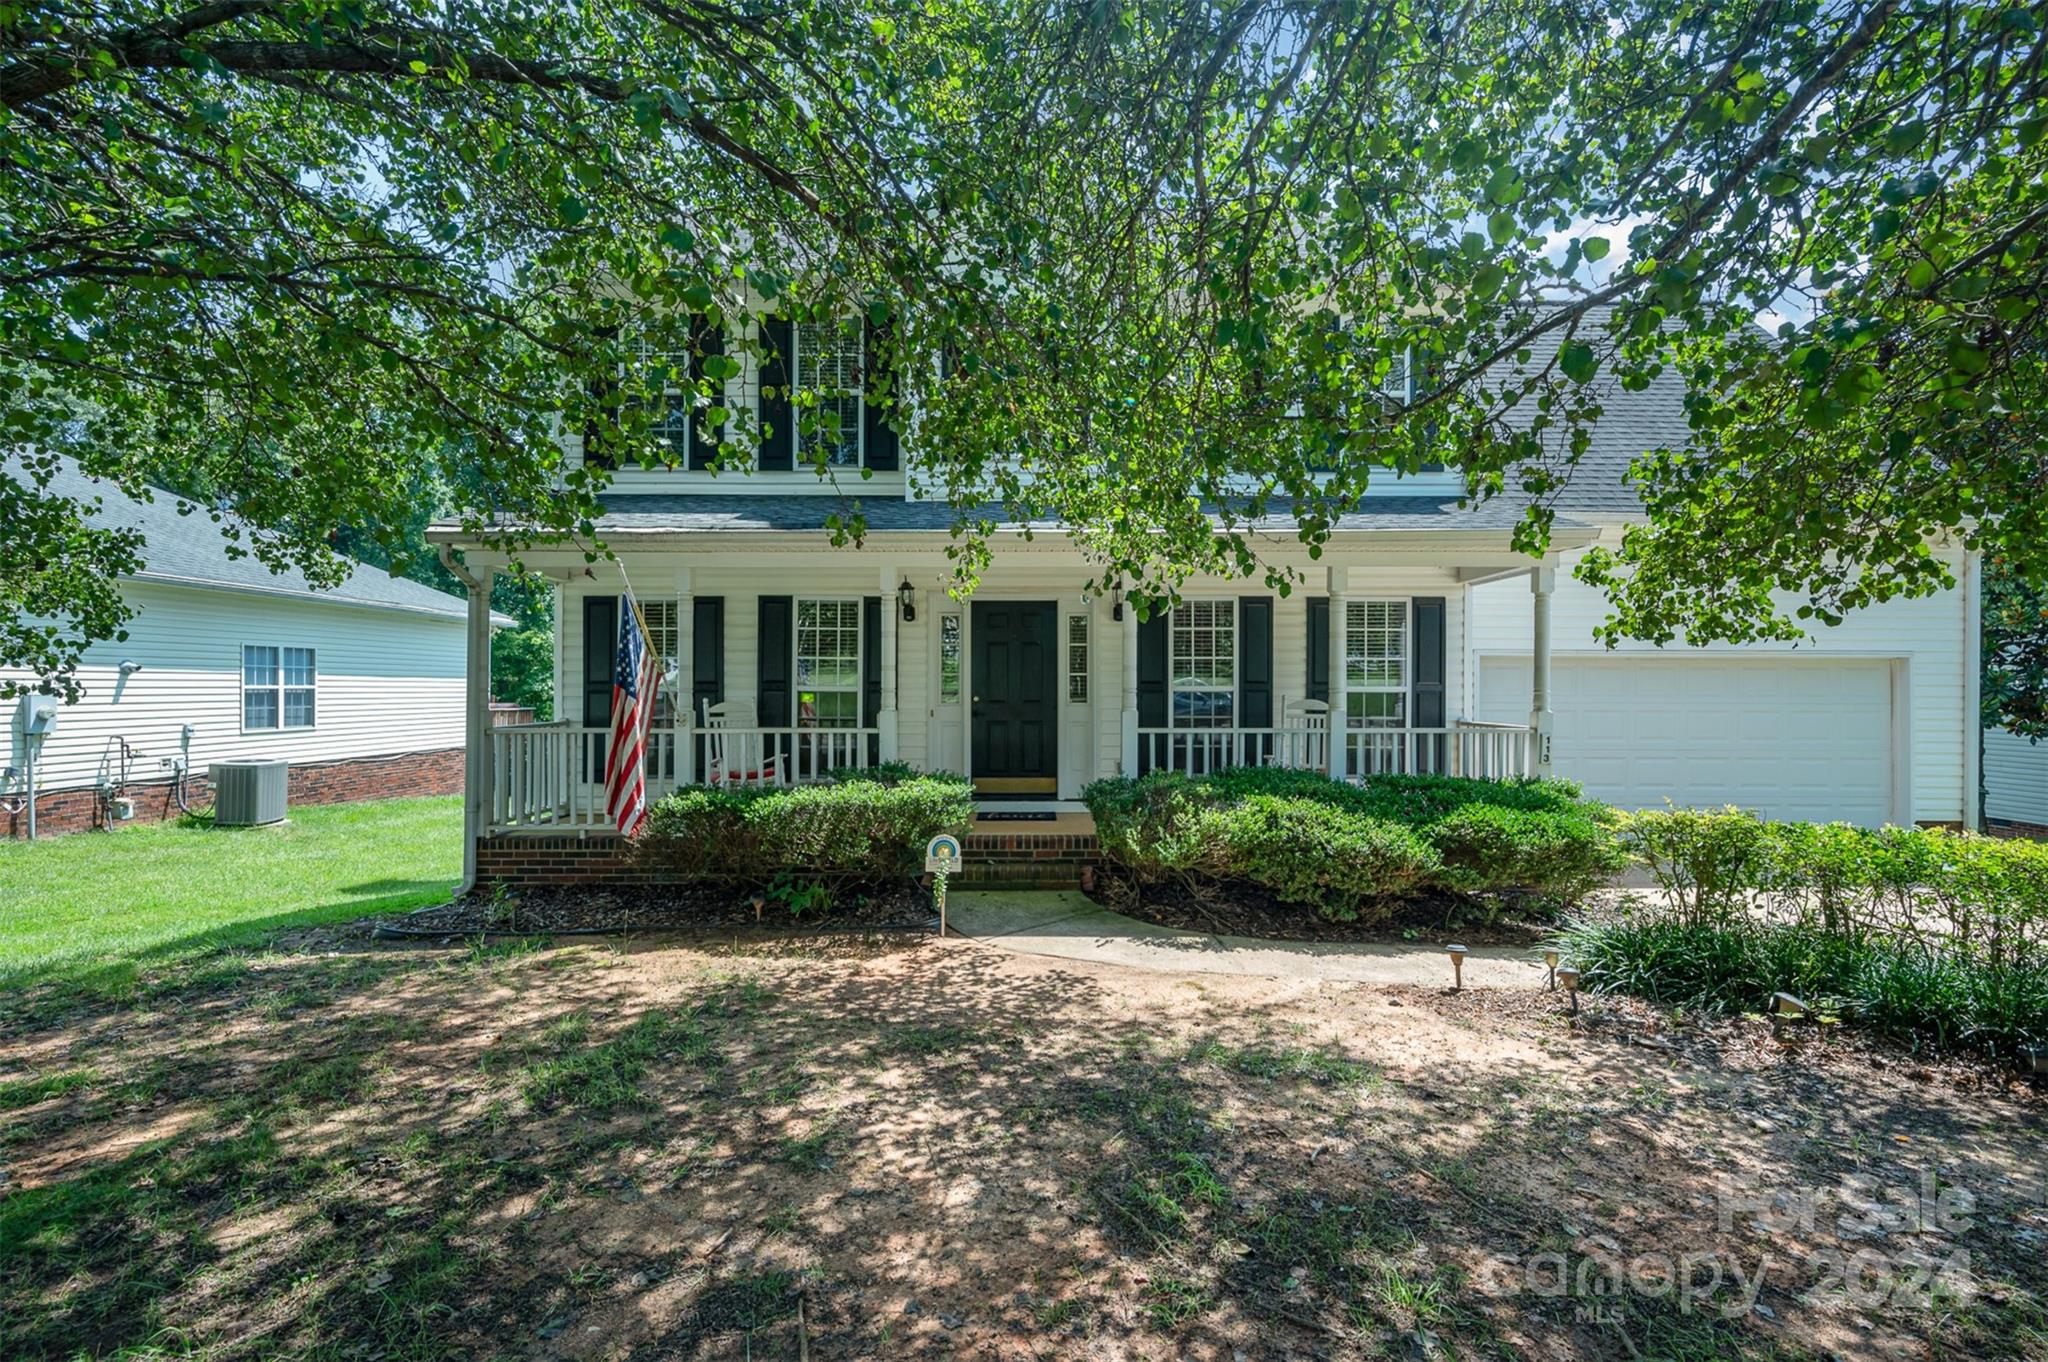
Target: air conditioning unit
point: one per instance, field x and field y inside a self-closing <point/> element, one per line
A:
<point x="248" y="792"/>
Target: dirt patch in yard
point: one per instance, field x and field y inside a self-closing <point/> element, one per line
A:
<point x="717" y="1145"/>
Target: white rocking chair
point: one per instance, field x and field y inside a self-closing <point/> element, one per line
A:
<point x="735" y="750"/>
<point x="1305" y="740"/>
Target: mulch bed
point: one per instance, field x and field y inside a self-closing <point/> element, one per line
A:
<point x="643" y="908"/>
<point x="1248" y="910"/>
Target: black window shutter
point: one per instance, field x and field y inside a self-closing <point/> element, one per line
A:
<point x="774" y="661"/>
<point x="1152" y="672"/>
<point x="870" y="660"/>
<point x="1255" y="662"/>
<point x="777" y="415"/>
<point x="883" y="406"/>
<point x="600" y="650"/>
<point x="706" y="339"/>
<point x="871" y="671"/>
<point x="707" y="654"/>
<point x="1319" y="648"/>
<point x="1428" y="704"/>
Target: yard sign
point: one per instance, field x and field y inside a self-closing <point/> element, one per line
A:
<point x="941" y="854"/>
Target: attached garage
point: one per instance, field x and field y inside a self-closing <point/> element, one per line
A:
<point x="1791" y="737"/>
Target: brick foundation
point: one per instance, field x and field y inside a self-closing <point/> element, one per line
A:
<point x="1027" y="860"/>
<point x="2012" y="827"/>
<point x="994" y="860"/>
<point x="330" y="782"/>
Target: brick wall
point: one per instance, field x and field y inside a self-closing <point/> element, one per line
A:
<point x="2009" y="827"/>
<point x="994" y="860"/>
<point x="334" y="782"/>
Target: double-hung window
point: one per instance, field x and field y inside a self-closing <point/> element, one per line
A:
<point x="279" y="687"/>
<point x="661" y="362"/>
<point x="829" y="359"/>
<point x="1376" y="663"/>
<point x="1203" y="664"/>
<point x="828" y="663"/>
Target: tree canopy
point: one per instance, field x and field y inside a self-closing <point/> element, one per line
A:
<point x="1172" y="252"/>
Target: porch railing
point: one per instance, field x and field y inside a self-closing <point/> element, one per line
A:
<point x="1464" y="748"/>
<point x="552" y="775"/>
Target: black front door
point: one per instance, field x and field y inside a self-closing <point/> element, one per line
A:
<point x="1015" y="676"/>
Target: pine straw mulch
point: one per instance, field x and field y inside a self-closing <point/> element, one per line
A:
<point x="592" y="909"/>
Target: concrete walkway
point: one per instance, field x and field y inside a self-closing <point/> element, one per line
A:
<point x="1069" y="926"/>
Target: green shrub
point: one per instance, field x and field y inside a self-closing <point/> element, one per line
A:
<point x="1557" y="855"/>
<point x="864" y="831"/>
<point x="1708" y="862"/>
<point x="1151" y="827"/>
<point x="1826" y="868"/>
<point x="1342" y="848"/>
<point x="1342" y="865"/>
<point x="891" y="773"/>
<point x="1922" y="995"/>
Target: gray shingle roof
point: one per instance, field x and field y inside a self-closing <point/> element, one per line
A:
<point x="1631" y="423"/>
<point x="710" y="514"/>
<point x="182" y="545"/>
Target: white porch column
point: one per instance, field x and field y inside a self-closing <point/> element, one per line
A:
<point x="885" y="717"/>
<point x="1340" y="708"/>
<point x="1541" y="580"/>
<point x="1130" y="690"/>
<point x="683" y="686"/>
<point x="476" y="578"/>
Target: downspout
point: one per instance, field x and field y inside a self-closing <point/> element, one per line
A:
<point x="476" y="765"/>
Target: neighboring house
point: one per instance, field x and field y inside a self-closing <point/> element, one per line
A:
<point x="2015" y="784"/>
<point x="1420" y="628"/>
<point x="360" y="688"/>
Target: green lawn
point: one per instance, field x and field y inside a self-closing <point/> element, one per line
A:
<point x="97" y="905"/>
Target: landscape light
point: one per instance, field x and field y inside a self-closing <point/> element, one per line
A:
<point x="1457" y="954"/>
<point x="1569" y="977"/>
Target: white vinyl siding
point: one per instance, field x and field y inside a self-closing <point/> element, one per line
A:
<point x="388" y="683"/>
<point x="2015" y="778"/>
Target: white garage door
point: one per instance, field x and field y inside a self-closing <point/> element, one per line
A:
<point x="1791" y="738"/>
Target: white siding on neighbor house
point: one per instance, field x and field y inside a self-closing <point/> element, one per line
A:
<point x="1925" y="637"/>
<point x="1020" y="574"/>
<point x="388" y="683"/>
<point x="2015" y="778"/>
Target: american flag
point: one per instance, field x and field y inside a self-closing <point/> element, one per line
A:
<point x="634" y="675"/>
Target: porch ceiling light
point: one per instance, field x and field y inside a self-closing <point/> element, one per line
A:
<point x="906" y="596"/>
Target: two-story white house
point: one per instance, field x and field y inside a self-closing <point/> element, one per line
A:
<point x="1422" y="642"/>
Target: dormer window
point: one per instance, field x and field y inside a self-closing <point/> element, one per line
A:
<point x="662" y="364"/>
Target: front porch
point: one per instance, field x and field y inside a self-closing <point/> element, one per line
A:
<point x="812" y="661"/>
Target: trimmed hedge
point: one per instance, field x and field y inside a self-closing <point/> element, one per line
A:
<point x="1352" y="851"/>
<point x="859" y="830"/>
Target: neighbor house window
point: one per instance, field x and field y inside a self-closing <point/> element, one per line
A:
<point x="828" y="664"/>
<point x="828" y="365"/>
<point x="949" y="659"/>
<point x="278" y="687"/>
<point x="1204" y="664"/>
<point x="1077" y="659"/>
<point x="1376" y="663"/>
